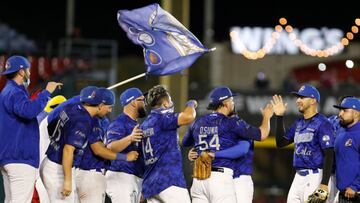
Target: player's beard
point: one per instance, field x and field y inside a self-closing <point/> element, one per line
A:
<point x="141" y="112"/>
<point x="345" y="123"/>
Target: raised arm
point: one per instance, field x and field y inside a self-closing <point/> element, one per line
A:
<point x="267" y="113"/>
<point x="188" y="114"/>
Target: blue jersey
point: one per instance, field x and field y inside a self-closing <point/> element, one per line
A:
<point x="311" y="137"/>
<point x="121" y="127"/>
<point x="19" y="129"/>
<point x="89" y="160"/>
<point x="71" y="127"/>
<point x="244" y="164"/>
<point x="347" y="153"/>
<point x="215" y="132"/>
<point x="161" y="151"/>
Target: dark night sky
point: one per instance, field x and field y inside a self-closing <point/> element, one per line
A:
<point x="97" y="19"/>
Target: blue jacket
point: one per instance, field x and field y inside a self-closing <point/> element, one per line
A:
<point x="19" y="128"/>
<point x="347" y="155"/>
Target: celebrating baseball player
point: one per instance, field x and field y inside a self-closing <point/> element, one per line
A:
<point x="124" y="179"/>
<point x="19" y="138"/>
<point x="347" y="151"/>
<point x="313" y="151"/>
<point x="164" y="180"/>
<point x="90" y="179"/>
<point x="220" y="130"/>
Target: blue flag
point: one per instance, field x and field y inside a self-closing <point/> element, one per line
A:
<point x="168" y="46"/>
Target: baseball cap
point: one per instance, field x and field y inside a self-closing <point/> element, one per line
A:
<point x="87" y="94"/>
<point x="308" y="91"/>
<point x="106" y="96"/>
<point x="220" y="94"/>
<point x="130" y="94"/>
<point x="349" y="103"/>
<point x="15" y="63"/>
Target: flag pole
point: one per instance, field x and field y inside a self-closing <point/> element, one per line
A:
<point x="126" y="81"/>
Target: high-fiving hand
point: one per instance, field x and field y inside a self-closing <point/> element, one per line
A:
<point x="278" y="105"/>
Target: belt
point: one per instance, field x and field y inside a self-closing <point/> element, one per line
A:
<point x="306" y="172"/>
<point x="217" y="169"/>
<point x="93" y="170"/>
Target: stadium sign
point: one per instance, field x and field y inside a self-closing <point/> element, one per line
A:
<point x="255" y="38"/>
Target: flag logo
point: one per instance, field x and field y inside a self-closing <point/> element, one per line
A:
<point x="152" y="57"/>
<point x="146" y="38"/>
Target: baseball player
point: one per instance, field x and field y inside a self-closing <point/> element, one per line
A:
<point x="314" y="140"/>
<point x="124" y="179"/>
<point x="163" y="179"/>
<point x="19" y="139"/>
<point x="347" y="151"/>
<point x="44" y="144"/>
<point x="90" y="179"/>
<point x="68" y="140"/>
<point x="218" y="131"/>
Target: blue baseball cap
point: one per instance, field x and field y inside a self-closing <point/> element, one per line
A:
<point x="87" y="94"/>
<point x="308" y="91"/>
<point x="220" y="94"/>
<point x="349" y="103"/>
<point x="106" y="96"/>
<point x="15" y="63"/>
<point x="130" y="94"/>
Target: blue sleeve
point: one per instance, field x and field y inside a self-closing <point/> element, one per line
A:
<point x="77" y="134"/>
<point x="290" y="133"/>
<point x="244" y="130"/>
<point x="188" y="139"/>
<point x="22" y="106"/>
<point x="234" y="152"/>
<point x="325" y="135"/>
<point x="115" y="131"/>
<point x="169" y="121"/>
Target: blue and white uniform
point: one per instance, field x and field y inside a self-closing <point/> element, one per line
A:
<point x="311" y="137"/>
<point x="71" y="127"/>
<point x="90" y="179"/>
<point x="215" y="132"/>
<point x="163" y="176"/>
<point x="19" y="140"/>
<point x="124" y="179"/>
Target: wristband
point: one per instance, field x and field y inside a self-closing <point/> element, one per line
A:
<point x="120" y="157"/>
<point x="191" y="103"/>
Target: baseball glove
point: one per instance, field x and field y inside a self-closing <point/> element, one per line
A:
<point x="318" y="196"/>
<point x="202" y="166"/>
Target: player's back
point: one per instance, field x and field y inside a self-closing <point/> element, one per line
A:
<point x="214" y="132"/>
<point x="161" y="152"/>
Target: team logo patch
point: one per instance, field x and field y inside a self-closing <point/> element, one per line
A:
<point x="146" y="38"/>
<point x="153" y="57"/>
<point x="326" y="138"/>
<point x="92" y="95"/>
<point x="348" y="143"/>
